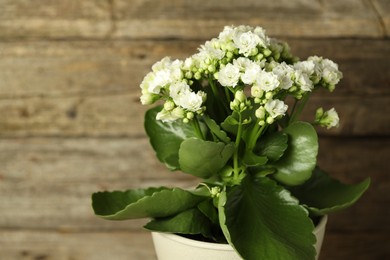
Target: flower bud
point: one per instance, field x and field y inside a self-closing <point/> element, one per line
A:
<point x="240" y="96"/>
<point x="260" y="113"/>
<point x="169" y="105"/>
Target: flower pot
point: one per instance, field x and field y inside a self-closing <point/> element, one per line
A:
<point x="171" y="246"/>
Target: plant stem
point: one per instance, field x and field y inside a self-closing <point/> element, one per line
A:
<point x="237" y="144"/>
<point x="196" y="126"/>
<point x="217" y="96"/>
<point x="299" y="109"/>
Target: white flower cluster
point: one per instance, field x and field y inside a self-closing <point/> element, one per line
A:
<point x="240" y="57"/>
<point x="327" y="119"/>
<point x="166" y="81"/>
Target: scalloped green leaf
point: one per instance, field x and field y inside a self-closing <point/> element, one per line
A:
<point x="322" y="194"/>
<point x="190" y="222"/>
<point x="281" y="228"/>
<point x="273" y="146"/>
<point x="299" y="160"/>
<point x="203" y="158"/>
<point x="216" y="130"/>
<point x="251" y="159"/>
<point x="142" y="203"/>
<point x="166" y="137"/>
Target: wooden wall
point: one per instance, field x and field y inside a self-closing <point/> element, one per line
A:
<point x="71" y="123"/>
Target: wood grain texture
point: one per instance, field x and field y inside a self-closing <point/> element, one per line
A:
<point x="136" y="19"/>
<point x="194" y="19"/>
<point x="59" y="69"/>
<point x="383" y="9"/>
<point x="92" y="88"/>
<point x="55" y="245"/>
<point x="71" y="123"/>
<point x="47" y="182"/>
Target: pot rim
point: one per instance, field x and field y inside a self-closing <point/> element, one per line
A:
<point x="221" y="247"/>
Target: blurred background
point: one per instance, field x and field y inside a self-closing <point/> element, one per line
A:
<point x="71" y="122"/>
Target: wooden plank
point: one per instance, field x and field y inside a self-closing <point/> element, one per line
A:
<point x="55" y="19"/>
<point x="105" y="67"/>
<point x="383" y="9"/>
<point x="197" y="19"/>
<point x="92" y="88"/>
<point x="123" y="115"/>
<point x="53" y="245"/>
<point x="359" y="246"/>
<point x="46" y="183"/>
<point x="184" y="19"/>
<point x="33" y="245"/>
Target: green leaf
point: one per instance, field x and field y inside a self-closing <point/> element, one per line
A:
<point x="299" y="160"/>
<point x="273" y="146"/>
<point x="251" y="159"/>
<point x="231" y="123"/>
<point x="322" y="195"/>
<point x="191" y="221"/>
<point x="203" y="158"/>
<point x="264" y="221"/>
<point x="142" y="203"/>
<point x="209" y="210"/>
<point x="166" y="137"/>
<point x="216" y="130"/>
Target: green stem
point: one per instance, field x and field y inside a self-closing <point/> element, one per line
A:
<point x="217" y="96"/>
<point x="299" y="109"/>
<point x="237" y="144"/>
<point x="196" y="126"/>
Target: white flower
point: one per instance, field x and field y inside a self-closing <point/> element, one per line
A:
<point x="229" y="75"/>
<point x="191" y="101"/>
<point x="212" y="51"/>
<point x="148" y="98"/>
<point x="303" y="80"/>
<point x="246" y="43"/>
<point x="264" y="40"/>
<point x="256" y="92"/>
<point x="178" y="89"/>
<point x="267" y="81"/>
<point x="327" y="119"/>
<point x="252" y="70"/>
<point x="251" y="73"/>
<point x="227" y="34"/>
<point x="285" y="73"/>
<point x="182" y="96"/>
<point x="306" y="66"/>
<point x="330" y="72"/>
<point x="275" y="108"/>
<point x="170" y="116"/>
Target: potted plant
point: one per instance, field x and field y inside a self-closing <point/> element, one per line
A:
<point x="229" y="115"/>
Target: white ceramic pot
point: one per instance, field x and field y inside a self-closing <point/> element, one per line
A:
<point x="174" y="247"/>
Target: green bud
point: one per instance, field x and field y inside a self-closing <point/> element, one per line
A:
<point x="269" y="95"/>
<point x="169" y="105"/>
<point x="260" y="113"/>
<point x="270" y="120"/>
<point x="186" y="121"/>
<point x="190" y="115"/>
<point x="188" y="74"/>
<point x="211" y="68"/>
<point x="229" y="54"/>
<point x="198" y="76"/>
<point x="267" y="52"/>
<point x="240" y="96"/>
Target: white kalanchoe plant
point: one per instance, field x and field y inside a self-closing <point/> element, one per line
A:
<point x="223" y="117"/>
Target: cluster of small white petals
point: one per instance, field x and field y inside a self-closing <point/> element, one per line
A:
<point x="240" y="57"/>
<point x="327" y="119"/>
<point x="229" y="75"/>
